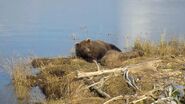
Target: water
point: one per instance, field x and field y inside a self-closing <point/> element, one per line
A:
<point x="48" y="28"/>
<point x="7" y="95"/>
<point x="151" y="18"/>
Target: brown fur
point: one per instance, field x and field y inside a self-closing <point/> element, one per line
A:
<point x="133" y="54"/>
<point x="93" y="50"/>
<point x="114" y="59"/>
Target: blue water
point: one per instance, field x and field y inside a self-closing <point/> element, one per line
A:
<point x="7" y="95"/>
<point x="48" y="28"/>
<point x="3" y="78"/>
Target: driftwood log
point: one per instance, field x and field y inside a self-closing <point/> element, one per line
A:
<point x="99" y="72"/>
<point x="136" y="67"/>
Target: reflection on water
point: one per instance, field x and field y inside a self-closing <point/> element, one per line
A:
<point x="150" y="18"/>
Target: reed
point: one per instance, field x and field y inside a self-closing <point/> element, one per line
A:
<point x="173" y="47"/>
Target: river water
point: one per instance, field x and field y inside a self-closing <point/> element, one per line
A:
<point x="48" y="28"/>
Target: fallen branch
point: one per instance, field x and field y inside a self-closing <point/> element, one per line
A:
<point x="141" y="99"/>
<point x="147" y="95"/>
<point x="132" y="68"/>
<point x="99" y="91"/>
<point x="130" y="79"/>
<point x="164" y="99"/>
<point x="99" y="72"/>
<point x="113" y="99"/>
<point x="94" y="84"/>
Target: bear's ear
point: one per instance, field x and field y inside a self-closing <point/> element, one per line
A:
<point x="88" y="40"/>
<point x="77" y="44"/>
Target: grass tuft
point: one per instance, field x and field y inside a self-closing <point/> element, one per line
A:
<point x="18" y="69"/>
<point x="163" y="48"/>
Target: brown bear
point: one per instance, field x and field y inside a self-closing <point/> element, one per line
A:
<point x="115" y="59"/>
<point x="93" y="49"/>
<point x="112" y="59"/>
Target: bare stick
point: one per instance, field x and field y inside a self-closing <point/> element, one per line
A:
<point x="99" y="91"/>
<point x="96" y="64"/>
<point x="99" y="72"/>
<point x="163" y="99"/>
<point x="94" y="84"/>
<point x="147" y="95"/>
<point x="101" y="82"/>
<point x="113" y="99"/>
<point x="135" y="101"/>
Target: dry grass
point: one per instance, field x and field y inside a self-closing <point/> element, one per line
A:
<point x="57" y="77"/>
<point x="18" y="69"/>
<point x="22" y="85"/>
<point x="163" y="48"/>
<point x="59" y="84"/>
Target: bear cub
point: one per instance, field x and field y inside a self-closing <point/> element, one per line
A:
<point x="91" y="50"/>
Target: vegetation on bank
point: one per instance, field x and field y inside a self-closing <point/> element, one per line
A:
<point x="163" y="48"/>
<point x="156" y="73"/>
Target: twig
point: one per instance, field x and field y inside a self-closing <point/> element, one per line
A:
<point x="98" y="67"/>
<point x="146" y="95"/>
<point x="135" y="101"/>
<point x="103" y="80"/>
<point x="130" y="79"/>
<point x="99" y="91"/>
<point x="162" y="99"/>
<point x="99" y="82"/>
<point x="113" y="99"/>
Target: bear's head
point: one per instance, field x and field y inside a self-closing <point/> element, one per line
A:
<point x="83" y="49"/>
